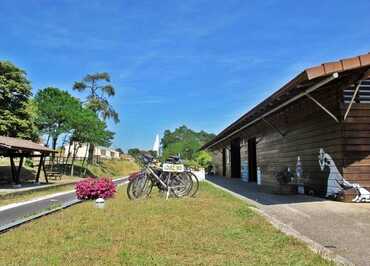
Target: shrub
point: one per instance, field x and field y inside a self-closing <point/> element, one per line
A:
<point x="91" y="188"/>
<point x="193" y="165"/>
<point x="203" y="158"/>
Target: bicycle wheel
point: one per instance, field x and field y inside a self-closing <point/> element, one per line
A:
<point x="195" y="184"/>
<point x="140" y="187"/>
<point x="181" y="184"/>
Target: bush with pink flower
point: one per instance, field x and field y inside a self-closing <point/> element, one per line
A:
<point x="92" y="188"/>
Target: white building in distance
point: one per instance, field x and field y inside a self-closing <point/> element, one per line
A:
<point x="99" y="151"/>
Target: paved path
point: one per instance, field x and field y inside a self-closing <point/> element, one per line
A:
<point x="14" y="212"/>
<point x="343" y="228"/>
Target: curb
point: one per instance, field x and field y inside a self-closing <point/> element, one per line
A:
<point x="19" y="222"/>
<point x="286" y="229"/>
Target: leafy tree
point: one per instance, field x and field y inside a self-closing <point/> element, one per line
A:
<point x="99" y="89"/>
<point x="56" y="110"/>
<point x="134" y="152"/>
<point x="184" y="141"/>
<point x="88" y="128"/>
<point x="120" y="150"/>
<point x="203" y="158"/>
<point x="16" y="115"/>
<point x="33" y="131"/>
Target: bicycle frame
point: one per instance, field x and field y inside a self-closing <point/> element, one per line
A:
<point x="150" y="171"/>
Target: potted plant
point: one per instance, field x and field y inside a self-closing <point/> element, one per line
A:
<point x="285" y="185"/>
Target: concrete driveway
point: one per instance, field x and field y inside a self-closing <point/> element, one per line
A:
<point x="344" y="228"/>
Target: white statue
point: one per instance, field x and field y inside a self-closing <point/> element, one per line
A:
<point x="336" y="182"/>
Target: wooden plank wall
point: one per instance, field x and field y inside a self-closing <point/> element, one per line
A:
<point x="217" y="160"/>
<point x="308" y="129"/>
<point x="356" y="133"/>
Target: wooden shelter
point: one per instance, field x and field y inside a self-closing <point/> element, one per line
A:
<point x="324" y="111"/>
<point x="20" y="148"/>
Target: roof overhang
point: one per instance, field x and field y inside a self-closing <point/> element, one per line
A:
<point x="21" y="146"/>
<point x="307" y="81"/>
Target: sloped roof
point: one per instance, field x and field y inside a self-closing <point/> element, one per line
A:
<point x="338" y="66"/>
<point x="22" y="144"/>
<point x="315" y="73"/>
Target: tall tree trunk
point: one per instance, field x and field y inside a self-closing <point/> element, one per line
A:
<point x="61" y="154"/>
<point x="84" y="160"/>
<point x="54" y="143"/>
<point x="68" y="155"/>
<point x="75" y="149"/>
<point x="91" y="154"/>
<point x="47" y="141"/>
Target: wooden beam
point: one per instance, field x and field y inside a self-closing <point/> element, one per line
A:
<point x="322" y="107"/>
<point x="273" y="127"/>
<point x="28" y="155"/>
<point x="12" y="166"/>
<point x="364" y="77"/>
<point x="45" y="174"/>
<point x="39" y="168"/>
<point x="19" y="169"/>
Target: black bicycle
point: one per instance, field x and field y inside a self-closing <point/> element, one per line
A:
<point x="171" y="179"/>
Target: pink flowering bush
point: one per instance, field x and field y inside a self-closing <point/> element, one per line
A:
<point x="92" y="188"/>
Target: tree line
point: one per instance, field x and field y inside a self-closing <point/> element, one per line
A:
<point x="55" y="113"/>
<point x="184" y="142"/>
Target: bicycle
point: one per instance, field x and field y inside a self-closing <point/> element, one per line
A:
<point x="172" y="179"/>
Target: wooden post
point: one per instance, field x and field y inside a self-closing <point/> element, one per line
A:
<point x="45" y="174"/>
<point x="39" y="168"/>
<point x="19" y="170"/>
<point x="12" y="166"/>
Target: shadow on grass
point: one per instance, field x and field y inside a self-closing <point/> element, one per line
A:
<point x="28" y="175"/>
<point x="6" y="175"/>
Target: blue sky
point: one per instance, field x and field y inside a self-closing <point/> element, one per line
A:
<point x="173" y="62"/>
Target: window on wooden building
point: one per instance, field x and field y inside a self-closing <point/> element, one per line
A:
<point x="363" y="95"/>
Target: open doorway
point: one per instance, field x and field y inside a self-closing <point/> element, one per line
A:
<point x="252" y="160"/>
<point x="235" y="158"/>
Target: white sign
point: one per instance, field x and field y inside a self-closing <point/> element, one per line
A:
<point x="169" y="167"/>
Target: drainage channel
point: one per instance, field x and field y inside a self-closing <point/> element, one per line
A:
<point x="26" y="212"/>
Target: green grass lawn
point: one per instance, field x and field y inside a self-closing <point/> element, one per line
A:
<point x="33" y="194"/>
<point x="211" y="229"/>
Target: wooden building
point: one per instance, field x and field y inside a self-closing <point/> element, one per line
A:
<point x="317" y="126"/>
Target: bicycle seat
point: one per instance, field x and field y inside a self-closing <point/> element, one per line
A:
<point x="173" y="159"/>
<point x="147" y="158"/>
